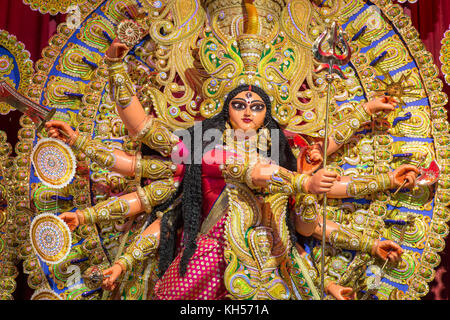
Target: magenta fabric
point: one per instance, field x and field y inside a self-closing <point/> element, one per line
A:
<point x="205" y="271"/>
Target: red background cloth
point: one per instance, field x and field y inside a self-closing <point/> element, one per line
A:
<point x="430" y="17"/>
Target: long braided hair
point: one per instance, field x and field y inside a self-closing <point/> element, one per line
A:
<point x="188" y="214"/>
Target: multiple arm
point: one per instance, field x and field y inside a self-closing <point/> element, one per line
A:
<point x="262" y="175"/>
<point x="344" y="129"/>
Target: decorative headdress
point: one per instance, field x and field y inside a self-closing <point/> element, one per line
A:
<point x="250" y="58"/>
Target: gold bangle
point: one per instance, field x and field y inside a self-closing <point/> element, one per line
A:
<point x="346" y="238"/>
<point x="156" y="135"/>
<point x="112" y="209"/>
<point x="145" y="202"/>
<point x="140" y="249"/>
<point x="138" y="168"/>
<point x="363" y="185"/>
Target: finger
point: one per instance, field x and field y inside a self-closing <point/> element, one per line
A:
<point x="324" y="190"/>
<point x="388" y="107"/>
<point x="329" y="180"/>
<point x="408" y="167"/>
<point x="393" y="257"/>
<point x="412" y="175"/>
<point x="330" y="174"/>
<point x="410" y="181"/>
<point x="107" y="282"/>
<point x="55" y="123"/>
<point x="384" y="98"/>
<point x="326" y="184"/>
<point x="107" y="272"/>
<point x="393" y="245"/>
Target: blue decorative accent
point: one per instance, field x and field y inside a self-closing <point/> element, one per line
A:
<point x="106" y="35"/>
<point x="376" y="43"/>
<point x="377" y="59"/>
<point x="90" y="63"/>
<point x="56" y="197"/>
<point x="402" y="155"/>
<point x="73" y="94"/>
<point x="407" y="139"/>
<point x="359" y="33"/>
<point x="75" y="261"/>
<point x="88" y="293"/>
<point x="399" y="222"/>
<point x="407" y="116"/>
<point x="353" y="17"/>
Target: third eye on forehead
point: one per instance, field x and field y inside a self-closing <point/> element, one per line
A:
<point x="241" y="104"/>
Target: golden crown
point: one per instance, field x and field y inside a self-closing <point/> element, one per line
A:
<point x="249" y="58"/>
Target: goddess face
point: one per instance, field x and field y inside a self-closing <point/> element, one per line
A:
<point x="247" y="111"/>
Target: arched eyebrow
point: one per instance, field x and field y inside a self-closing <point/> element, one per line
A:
<point x="258" y="101"/>
<point x="243" y="100"/>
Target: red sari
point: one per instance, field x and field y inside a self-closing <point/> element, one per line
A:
<point x="206" y="268"/>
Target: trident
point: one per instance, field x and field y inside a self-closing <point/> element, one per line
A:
<point x="330" y="61"/>
<point x="38" y="114"/>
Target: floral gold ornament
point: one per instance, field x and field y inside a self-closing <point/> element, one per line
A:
<point x="399" y="89"/>
<point x="54" y="163"/>
<point x="51" y="238"/>
<point x="129" y="33"/>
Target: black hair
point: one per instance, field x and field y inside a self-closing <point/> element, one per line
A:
<point x="189" y="212"/>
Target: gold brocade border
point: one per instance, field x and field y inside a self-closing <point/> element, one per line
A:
<point x="86" y="117"/>
<point x="22" y="57"/>
<point x="438" y="230"/>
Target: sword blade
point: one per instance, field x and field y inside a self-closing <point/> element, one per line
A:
<point x="38" y="114"/>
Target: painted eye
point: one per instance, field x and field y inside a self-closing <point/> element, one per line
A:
<point x="257" y="107"/>
<point x="238" y="106"/>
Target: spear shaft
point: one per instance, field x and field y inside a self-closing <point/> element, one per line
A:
<point x="329" y="79"/>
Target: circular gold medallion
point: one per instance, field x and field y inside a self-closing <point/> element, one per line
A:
<point x="50" y="237"/>
<point x="54" y="163"/>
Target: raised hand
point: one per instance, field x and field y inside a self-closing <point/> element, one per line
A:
<point x="110" y="276"/>
<point x="60" y="130"/>
<point x="388" y="249"/>
<point x="322" y="181"/>
<point x="71" y="219"/>
<point x="384" y="104"/>
<point x="404" y="173"/>
<point x="116" y="50"/>
<point x="340" y="293"/>
<point x="315" y="154"/>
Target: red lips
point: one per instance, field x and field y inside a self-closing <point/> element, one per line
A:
<point x="247" y="120"/>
